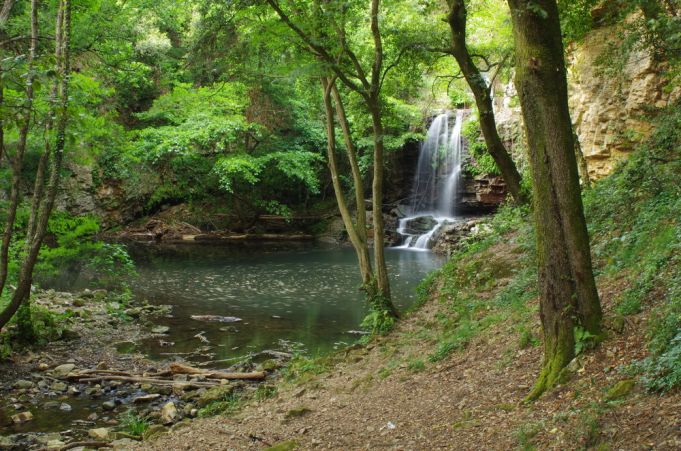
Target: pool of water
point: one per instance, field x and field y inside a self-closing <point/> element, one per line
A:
<point x="305" y="298"/>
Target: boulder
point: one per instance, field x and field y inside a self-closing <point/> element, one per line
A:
<point x="168" y="413"/>
<point x="23" y="417"/>
<point x="99" y="433"/>
<point x="63" y="370"/>
<point x="420" y="225"/>
<point x="23" y="384"/>
<point x="214" y="394"/>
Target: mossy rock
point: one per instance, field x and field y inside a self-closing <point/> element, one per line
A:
<point x="297" y="413"/>
<point x="620" y="390"/>
<point x="154" y="431"/>
<point x="215" y="394"/>
<point x="271" y="365"/>
<point x="288" y="445"/>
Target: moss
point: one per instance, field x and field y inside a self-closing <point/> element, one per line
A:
<point x="288" y="445"/>
<point x="620" y="390"/>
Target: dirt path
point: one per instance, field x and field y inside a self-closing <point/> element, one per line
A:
<point x="380" y="397"/>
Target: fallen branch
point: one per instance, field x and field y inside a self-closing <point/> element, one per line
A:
<point x="178" y="368"/>
<point x="148" y="380"/>
<point x="85" y="445"/>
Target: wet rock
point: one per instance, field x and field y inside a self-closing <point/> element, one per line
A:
<point x="23" y="417"/>
<point x="74" y="391"/>
<point x="64" y="407"/>
<point x="55" y="444"/>
<point x="23" y="384"/>
<point x="51" y="405"/>
<point x="146" y="398"/>
<point x="214" y="394"/>
<point x="93" y="392"/>
<point x="160" y="329"/>
<point x="93" y="417"/>
<point x="168" y="413"/>
<point x="59" y="387"/>
<point x="216" y="318"/>
<point x="109" y="405"/>
<point x="420" y="225"/>
<point x="99" y="433"/>
<point x="63" y="370"/>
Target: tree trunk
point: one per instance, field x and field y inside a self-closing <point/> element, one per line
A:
<point x="18" y="159"/>
<point x="383" y="298"/>
<point x="63" y="35"/>
<point x="5" y="12"/>
<point x="457" y="18"/>
<point x="355" y="233"/>
<point x="568" y="295"/>
<point x="358" y="185"/>
<point x="582" y="166"/>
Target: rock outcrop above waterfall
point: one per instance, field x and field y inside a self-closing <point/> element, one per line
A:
<point x="480" y="194"/>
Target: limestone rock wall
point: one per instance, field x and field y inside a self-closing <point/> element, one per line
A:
<point x="608" y="111"/>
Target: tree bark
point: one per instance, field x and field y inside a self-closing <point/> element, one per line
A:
<point x="457" y="19"/>
<point x="355" y="233"/>
<point x="369" y="88"/>
<point x="5" y="12"/>
<point x="358" y="186"/>
<point x="63" y="38"/>
<point x="18" y="159"/>
<point x="568" y="295"/>
<point x="582" y="165"/>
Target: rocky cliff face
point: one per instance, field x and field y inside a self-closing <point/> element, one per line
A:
<point x="608" y="111"/>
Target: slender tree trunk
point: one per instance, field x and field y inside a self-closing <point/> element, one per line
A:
<point x="18" y="159"/>
<point x="568" y="295"/>
<point x="383" y="296"/>
<point x="457" y="18"/>
<point x="356" y="234"/>
<point x="358" y="185"/>
<point x="25" y="280"/>
<point x="5" y="12"/>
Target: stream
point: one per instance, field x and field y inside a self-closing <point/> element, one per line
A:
<point x="227" y="304"/>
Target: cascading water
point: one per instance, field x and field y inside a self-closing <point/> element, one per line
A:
<point x="435" y="184"/>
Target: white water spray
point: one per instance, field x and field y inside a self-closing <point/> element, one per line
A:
<point x="436" y="182"/>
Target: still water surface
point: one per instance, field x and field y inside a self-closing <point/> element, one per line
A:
<point x="305" y="297"/>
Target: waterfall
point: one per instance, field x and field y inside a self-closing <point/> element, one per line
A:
<point x="436" y="182"/>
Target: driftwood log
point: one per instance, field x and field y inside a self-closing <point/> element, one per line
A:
<point x="178" y="368"/>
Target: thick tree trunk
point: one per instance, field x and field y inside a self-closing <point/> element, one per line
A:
<point x="457" y="18"/>
<point x="568" y="295"/>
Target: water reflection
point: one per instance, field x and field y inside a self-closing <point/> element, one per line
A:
<point x="306" y="295"/>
